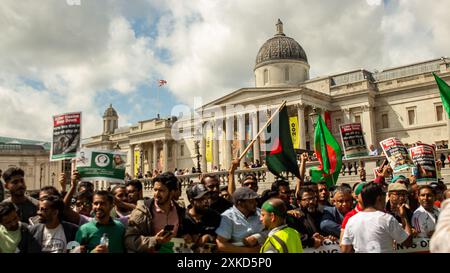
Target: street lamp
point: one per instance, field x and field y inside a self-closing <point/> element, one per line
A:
<point x="117" y="147"/>
<point x="53" y="179"/>
<point x="197" y="154"/>
<point x="314" y="116"/>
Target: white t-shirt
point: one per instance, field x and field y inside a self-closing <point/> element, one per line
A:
<point x="373" y="232"/>
<point x="54" y="240"/>
<point x="424" y="221"/>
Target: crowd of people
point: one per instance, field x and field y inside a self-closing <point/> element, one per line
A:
<point x="370" y="216"/>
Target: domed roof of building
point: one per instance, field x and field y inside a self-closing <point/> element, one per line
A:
<point x="280" y="47"/>
<point x="110" y="112"/>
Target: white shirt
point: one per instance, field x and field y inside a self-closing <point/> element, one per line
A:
<point x="440" y="242"/>
<point x="373" y="232"/>
<point x="424" y="221"/>
<point x="54" y="240"/>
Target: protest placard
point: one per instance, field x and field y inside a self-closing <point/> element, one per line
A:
<point x="397" y="154"/>
<point x="353" y="140"/>
<point x="66" y="136"/>
<point x="424" y="158"/>
<point x="101" y="165"/>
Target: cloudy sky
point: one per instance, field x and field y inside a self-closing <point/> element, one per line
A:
<point x="59" y="56"/>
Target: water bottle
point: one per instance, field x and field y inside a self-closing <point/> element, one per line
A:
<point x="104" y="240"/>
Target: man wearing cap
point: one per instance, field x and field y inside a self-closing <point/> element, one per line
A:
<point x="240" y="229"/>
<point x="281" y="238"/>
<point x="359" y="207"/>
<point x="425" y="217"/>
<point x="200" y="222"/>
<point x="398" y="196"/>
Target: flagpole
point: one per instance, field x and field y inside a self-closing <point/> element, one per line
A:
<point x="261" y="130"/>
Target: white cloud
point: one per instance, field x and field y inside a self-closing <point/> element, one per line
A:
<point x="76" y="52"/>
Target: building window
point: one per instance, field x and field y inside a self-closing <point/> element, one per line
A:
<point x="357" y="118"/>
<point x="439" y="112"/>
<point x="266" y="76"/>
<point x="286" y="74"/>
<point x="181" y="150"/>
<point x="384" y="121"/>
<point x="411" y="116"/>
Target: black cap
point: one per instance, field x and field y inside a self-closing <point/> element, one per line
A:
<point x="244" y="193"/>
<point x="196" y="191"/>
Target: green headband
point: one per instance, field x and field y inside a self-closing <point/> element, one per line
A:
<point x="269" y="208"/>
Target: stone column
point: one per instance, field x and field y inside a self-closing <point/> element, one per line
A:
<point x="155" y="156"/>
<point x="203" y="162"/>
<point x="215" y="147"/>
<point x="165" y="156"/>
<point x="149" y="157"/>
<point x="368" y="125"/>
<point x="241" y="137"/>
<point x="174" y="154"/>
<point x="256" y="145"/>
<point x="301" y="124"/>
<point x="141" y="158"/>
<point x="229" y="134"/>
<point x="131" y="158"/>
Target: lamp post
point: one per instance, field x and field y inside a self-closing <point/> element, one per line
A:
<point x="198" y="155"/>
<point x="53" y="179"/>
<point x="314" y="116"/>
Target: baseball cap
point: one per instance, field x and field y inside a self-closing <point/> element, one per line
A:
<point x="397" y="187"/>
<point x="244" y="193"/>
<point x="359" y="188"/>
<point x="196" y="191"/>
<point x="398" y="177"/>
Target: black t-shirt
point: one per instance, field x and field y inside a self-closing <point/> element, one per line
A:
<point x="26" y="209"/>
<point x="221" y="205"/>
<point x="306" y="225"/>
<point x="208" y="224"/>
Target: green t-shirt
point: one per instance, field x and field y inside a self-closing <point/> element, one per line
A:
<point x="9" y="240"/>
<point x="90" y="234"/>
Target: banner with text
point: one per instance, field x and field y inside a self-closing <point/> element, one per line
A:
<point x="98" y="165"/>
<point x="353" y="140"/>
<point x="209" y="146"/>
<point x="424" y="158"/>
<point x="295" y="133"/>
<point x="66" y="136"/>
<point x="397" y="154"/>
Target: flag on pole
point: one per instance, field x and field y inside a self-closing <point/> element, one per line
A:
<point x="444" y="90"/>
<point x="329" y="154"/>
<point x="162" y="82"/>
<point x="281" y="156"/>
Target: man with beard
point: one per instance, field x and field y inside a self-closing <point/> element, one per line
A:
<point x="200" y="222"/>
<point x="281" y="238"/>
<point x="14" y="235"/>
<point x="283" y="192"/>
<point x="331" y="221"/>
<point x="15" y="183"/>
<point x="250" y="181"/>
<point x="308" y="221"/>
<point x="241" y="230"/>
<point x="398" y="195"/>
<point x="212" y="183"/>
<point x="90" y="234"/>
<point x="134" y="190"/>
<point x="324" y="195"/>
<point x="51" y="234"/>
<point x="154" y="222"/>
<point x="121" y="210"/>
<point x="425" y="217"/>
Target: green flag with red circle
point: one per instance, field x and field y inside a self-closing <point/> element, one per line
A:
<point x="328" y="153"/>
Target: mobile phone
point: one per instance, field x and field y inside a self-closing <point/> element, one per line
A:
<point x="168" y="229"/>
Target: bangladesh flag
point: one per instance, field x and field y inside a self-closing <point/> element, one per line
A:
<point x="329" y="154"/>
<point x="444" y="90"/>
<point x="281" y="156"/>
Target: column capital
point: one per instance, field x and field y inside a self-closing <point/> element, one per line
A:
<point x="366" y="107"/>
<point x="346" y="110"/>
<point x="301" y="106"/>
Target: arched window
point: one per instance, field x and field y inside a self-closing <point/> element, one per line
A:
<point x="286" y="74"/>
<point x="266" y="76"/>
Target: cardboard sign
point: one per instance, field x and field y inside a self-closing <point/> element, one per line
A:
<point x="94" y="165"/>
<point x="353" y="140"/>
<point x="397" y="154"/>
<point x="66" y="136"/>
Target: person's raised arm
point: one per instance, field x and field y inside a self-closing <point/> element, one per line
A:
<point x="231" y="182"/>
<point x="302" y="169"/>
